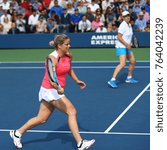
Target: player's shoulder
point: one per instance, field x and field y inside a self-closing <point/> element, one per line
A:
<point x="54" y="54"/>
<point x="123" y="24"/>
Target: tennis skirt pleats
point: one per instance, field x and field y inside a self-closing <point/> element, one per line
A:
<point x="49" y="94"/>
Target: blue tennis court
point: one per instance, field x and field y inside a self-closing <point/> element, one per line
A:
<point x="119" y="119"/>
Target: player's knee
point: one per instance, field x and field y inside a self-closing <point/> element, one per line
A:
<point x="41" y="120"/>
<point x="122" y="65"/>
<point x="72" y="112"/>
<point x="133" y="62"/>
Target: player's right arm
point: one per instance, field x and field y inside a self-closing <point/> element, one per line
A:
<point x="59" y="89"/>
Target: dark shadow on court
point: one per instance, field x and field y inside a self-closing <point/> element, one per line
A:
<point x="64" y="137"/>
<point x="122" y="77"/>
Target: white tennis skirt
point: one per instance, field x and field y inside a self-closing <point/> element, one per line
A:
<point x="49" y="94"/>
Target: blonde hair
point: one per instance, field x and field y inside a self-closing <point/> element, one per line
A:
<point x="58" y="39"/>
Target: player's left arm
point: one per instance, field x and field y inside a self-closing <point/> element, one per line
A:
<point x="75" y="78"/>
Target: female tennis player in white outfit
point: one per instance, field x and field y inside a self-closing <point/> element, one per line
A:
<point x="124" y="51"/>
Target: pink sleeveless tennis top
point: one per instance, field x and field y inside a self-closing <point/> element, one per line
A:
<point x="62" y="68"/>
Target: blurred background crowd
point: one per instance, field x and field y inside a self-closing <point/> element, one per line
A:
<point x="62" y="16"/>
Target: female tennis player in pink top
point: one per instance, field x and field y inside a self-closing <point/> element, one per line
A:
<point x="51" y="96"/>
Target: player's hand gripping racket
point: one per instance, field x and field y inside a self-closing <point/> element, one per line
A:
<point x="52" y="73"/>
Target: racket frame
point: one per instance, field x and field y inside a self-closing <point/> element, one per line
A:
<point x="54" y="79"/>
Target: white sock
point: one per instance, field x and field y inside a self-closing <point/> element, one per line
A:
<point x="113" y="79"/>
<point x="128" y="77"/>
<point x="17" y="133"/>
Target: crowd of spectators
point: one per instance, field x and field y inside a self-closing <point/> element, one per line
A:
<point x="62" y="16"/>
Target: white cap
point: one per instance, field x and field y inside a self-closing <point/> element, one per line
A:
<point x="125" y="13"/>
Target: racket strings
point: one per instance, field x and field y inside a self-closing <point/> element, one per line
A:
<point x="52" y="71"/>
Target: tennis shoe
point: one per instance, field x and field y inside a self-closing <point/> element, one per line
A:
<point x="113" y="83"/>
<point x="86" y="144"/>
<point x="131" y="80"/>
<point x="16" y="139"/>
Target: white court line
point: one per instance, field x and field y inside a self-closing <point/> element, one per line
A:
<point x="82" y="132"/>
<point x="125" y="111"/>
<point x="77" y="67"/>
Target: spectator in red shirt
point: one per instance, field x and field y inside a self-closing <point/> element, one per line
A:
<point x="28" y="11"/>
<point x="25" y="4"/>
<point x="46" y="3"/>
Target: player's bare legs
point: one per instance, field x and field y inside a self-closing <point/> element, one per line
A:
<point x="45" y="111"/>
<point x="67" y="107"/>
<point x="132" y="61"/>
<point x="120" y="66"/>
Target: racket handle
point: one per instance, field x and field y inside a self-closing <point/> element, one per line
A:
<point x="58" y="87"/>
<point x="60" y="90"/>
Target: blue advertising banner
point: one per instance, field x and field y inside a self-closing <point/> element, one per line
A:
<point x="78" y="40"/>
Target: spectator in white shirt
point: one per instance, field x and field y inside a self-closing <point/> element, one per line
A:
<point x="93" y="6"/>
<point x="21" y="23"/>
<point x="81" y="7"/>
<point x="5" y="15"/>
<point x="84" y="25"/>
<point x="87" y="2"/>
<point x="112" y="5"/>
<point x="70" y="8"/>
<point x="1" y="2"/>
<point x="5" y="5"/>
<point x="7" y="25"/>
<point x="105" y="4"/>
<point x="2" y="30"/>
<point x="32" y="21"/>
<point x="41" y="25"/>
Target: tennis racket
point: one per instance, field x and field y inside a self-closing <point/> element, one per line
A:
<point x="52" y="71"/>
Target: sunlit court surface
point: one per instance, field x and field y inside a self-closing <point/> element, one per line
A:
<point x="118" y="119"/>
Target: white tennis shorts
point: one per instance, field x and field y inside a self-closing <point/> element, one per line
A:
<point x="49" y="94"/>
